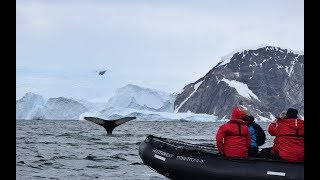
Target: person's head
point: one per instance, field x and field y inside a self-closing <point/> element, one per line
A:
<point x="248" y="118"/>
<point x="243" y="114"/>
<point x="238" y="113"/>
<point x="283" y="114"/>
<point x="292" y="113"/>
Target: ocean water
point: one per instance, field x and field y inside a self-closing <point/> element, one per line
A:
<point x="53" y="149"/>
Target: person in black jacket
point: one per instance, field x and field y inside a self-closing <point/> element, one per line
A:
<point x="258" y="136"/>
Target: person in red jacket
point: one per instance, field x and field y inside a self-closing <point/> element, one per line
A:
<point x="272" y="152"/>
<point x="289" y="133"/>
<point x="274" y="148"/>
<point x="233" y="138"/>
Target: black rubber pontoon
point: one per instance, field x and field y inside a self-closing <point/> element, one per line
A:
<point x="181" y="160"/>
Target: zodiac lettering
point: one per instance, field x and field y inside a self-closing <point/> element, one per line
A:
<point x="162" y="153"/>
<point x="183" y="158"/>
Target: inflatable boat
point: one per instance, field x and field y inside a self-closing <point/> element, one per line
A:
<point x="181" y="160"/>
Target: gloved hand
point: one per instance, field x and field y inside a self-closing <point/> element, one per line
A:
<point x="275" y="122"/>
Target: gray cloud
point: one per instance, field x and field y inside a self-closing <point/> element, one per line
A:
<point x="163" y="44"/>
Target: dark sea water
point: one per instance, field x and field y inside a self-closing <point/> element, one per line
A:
<point x="82" y="150"/>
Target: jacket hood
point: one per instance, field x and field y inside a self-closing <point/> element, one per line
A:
<point x="237" y="114"/>
<point x="293" y="123"/>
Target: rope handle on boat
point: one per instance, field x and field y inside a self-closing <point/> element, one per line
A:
<point x="164" y="140"/>
<point x="207" y="148"/>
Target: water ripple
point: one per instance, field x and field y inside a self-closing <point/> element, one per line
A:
<point x="81" y="150"/>
<point x="94" y="158"/>
<point x="103" y="167"/>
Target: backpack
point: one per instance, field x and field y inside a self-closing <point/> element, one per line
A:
<point x="261" y="136"/>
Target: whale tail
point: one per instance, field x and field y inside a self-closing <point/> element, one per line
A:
<point x="109" y="125"/>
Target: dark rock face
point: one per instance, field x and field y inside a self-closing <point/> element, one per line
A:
<point x="264" y="81"/>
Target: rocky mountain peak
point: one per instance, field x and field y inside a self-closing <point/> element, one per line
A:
<point x="263" y="80"/>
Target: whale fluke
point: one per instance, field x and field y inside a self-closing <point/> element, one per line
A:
<point x="109" y="125"/>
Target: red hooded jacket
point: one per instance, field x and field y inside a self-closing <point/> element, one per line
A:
<point x="275" y="141"/>
<point x="233" y="138"/>
<point x="290" y="139"/>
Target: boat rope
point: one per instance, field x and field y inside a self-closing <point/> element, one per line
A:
<point x="187" y="146"/>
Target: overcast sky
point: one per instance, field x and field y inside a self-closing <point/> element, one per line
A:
<point x="162" y="44"/>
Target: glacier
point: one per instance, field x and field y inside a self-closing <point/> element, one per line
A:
<point x="131" y="100"/>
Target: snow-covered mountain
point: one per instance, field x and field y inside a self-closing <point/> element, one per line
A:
<point x="135" y="97"/>
<point x="63" y="108"/>
<point x="30" y="106"/>
<point x="130" y="100"/>
<point x="34" y="106"/>
<point x="263" y="80"/>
